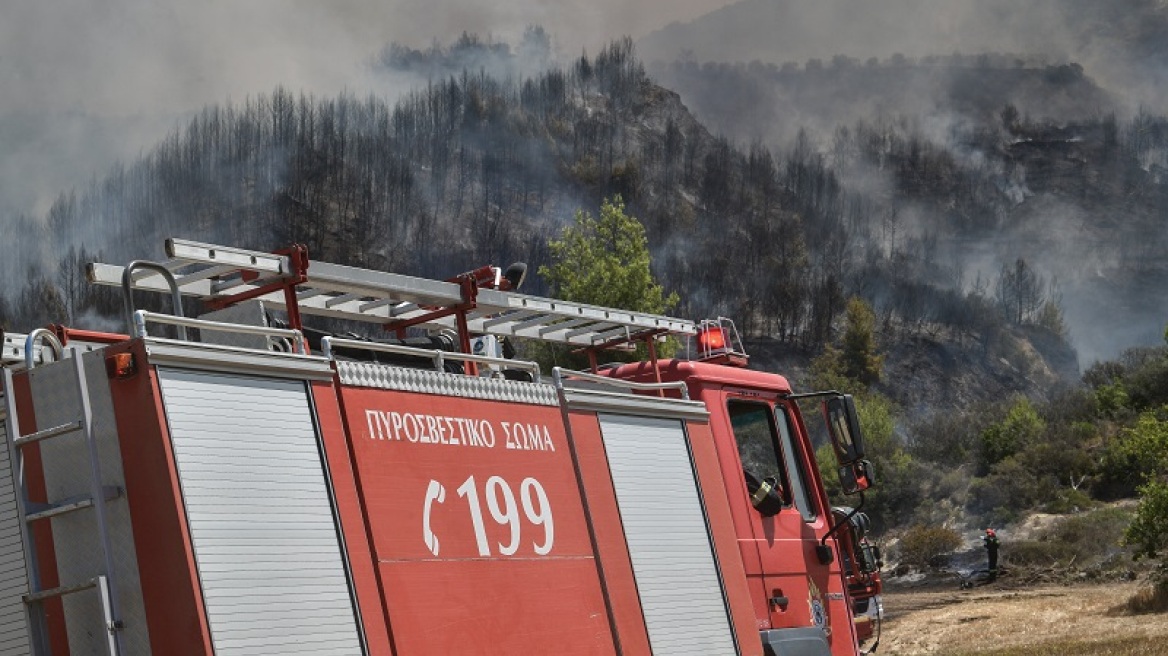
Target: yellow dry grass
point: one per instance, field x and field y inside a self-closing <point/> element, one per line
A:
<point x="1062" y="620"/>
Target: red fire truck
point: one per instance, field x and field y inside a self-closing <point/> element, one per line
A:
<point x="241" y="484"/>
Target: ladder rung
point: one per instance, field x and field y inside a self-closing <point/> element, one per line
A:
<point x="402" y="308"/>
<point x="343" y="298"/>
<point x="539" y="320"/>
<point x="220" y="286"/>
<point x="46" y="511"/>
<point x="47" y="433"/>
<point x="309" y="293"/>
<point x="373" y="305"/>
<point x="509" y="317"/>
<point x="562" y="326"/>
<point x="41" y="595"/>
<point x="608" y="334"/>
<point x="203" y="274"/>
<point x="590" y="328"/>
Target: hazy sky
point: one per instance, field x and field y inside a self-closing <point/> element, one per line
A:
<point x="87" y="82"/>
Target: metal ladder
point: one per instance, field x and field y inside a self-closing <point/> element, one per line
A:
<point x="29" y="512"/>
<point x="212" y="272"/>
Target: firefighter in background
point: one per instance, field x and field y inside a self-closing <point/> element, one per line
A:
<point x="990" y="541"/>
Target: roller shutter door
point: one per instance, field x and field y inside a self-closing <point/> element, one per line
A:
<point x="265" y="539"/>
<point x="668" y="539"/>
<point x="13" y="574"/>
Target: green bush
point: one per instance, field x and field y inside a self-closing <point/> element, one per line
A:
<point x="1139" y="452"/>
<point x="1148" y="533"/>
<point x="1021" y="427"/>
<point x="1148" y="386"/>
<point x="950" y="437"/>
<point x="1069" y="500"/>
<point x="923" y="546"/>
<point x="1008" y="490"/>
<point x="1092" y="533"/>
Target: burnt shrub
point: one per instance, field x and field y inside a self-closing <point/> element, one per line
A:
<point x="1092" y="535"/>
<point x="1149" y="600"/>
<point x="1036" y="553"/>
<point x="1088" y="541"/>
<point x="928" y="546"/>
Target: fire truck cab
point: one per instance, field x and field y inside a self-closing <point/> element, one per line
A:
<point x="782" y="517"/>
<point x="263" y="488"/>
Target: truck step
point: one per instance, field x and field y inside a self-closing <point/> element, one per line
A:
<point x="41" y="595"/>
<point x="45" y="511"/>
<point x="47" y="433"/>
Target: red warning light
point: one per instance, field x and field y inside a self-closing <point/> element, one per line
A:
<point x="718" y="343"/>
<point x="712" y="339"/>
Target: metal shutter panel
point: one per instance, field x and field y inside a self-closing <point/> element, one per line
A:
<point x="13" y="574"/>
<point x="668" y="539"/>
<point x="265" y="539"/>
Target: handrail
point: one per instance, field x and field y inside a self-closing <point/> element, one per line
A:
<point x="142" y="316"/>
<point x="439" y="357"/>
<point x="128" y="292"/>
<point x="46" y="336"/>
<point x="559" y="374"/>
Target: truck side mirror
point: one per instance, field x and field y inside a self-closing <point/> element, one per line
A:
<point x="844" y="426"/>
<point x="856" y="476"/>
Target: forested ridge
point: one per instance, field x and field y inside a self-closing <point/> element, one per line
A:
<point x="474" y="168"/>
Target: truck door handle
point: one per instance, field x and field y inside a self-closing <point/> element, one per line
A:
<point x="781" y="602"/>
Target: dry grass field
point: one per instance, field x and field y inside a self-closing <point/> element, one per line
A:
<point x="1079" y="620"/>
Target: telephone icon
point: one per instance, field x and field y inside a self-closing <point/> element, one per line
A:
<point x="435" y="492"/>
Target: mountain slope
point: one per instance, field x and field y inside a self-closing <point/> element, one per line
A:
<point x="474" y="169"/>
<point x="1120" y="43"/>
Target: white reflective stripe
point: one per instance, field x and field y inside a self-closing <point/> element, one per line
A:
<point x="669" y="542"/>
<point x="14" y="577"/>
<point x="264" y="534"/>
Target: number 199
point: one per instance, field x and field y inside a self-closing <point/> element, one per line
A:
<point x="501" y="504"/>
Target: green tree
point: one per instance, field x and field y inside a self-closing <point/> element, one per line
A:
<point x="827" y="372"/>
<point x="1141" y="451"/>
<point x="854" y="365"/>
<point x="1148" y="532"/>
<point x="605" y="262"/>
<point x="860" y="360"/>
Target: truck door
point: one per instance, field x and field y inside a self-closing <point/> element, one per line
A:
<point x="802" y="592"/>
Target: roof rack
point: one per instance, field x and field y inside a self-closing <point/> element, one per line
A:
<point x="287" y="280"/>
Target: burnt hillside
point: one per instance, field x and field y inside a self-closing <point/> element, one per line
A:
<point x="771" y="101"/>
<point x="481" y="167"/>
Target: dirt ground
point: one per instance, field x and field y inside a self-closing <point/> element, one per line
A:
<point x="946" y="620"/>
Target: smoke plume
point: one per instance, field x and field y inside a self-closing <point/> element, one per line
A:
<point x="87" y="84"/>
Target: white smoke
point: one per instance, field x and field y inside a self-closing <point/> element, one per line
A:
<point x="86" y="83"/>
